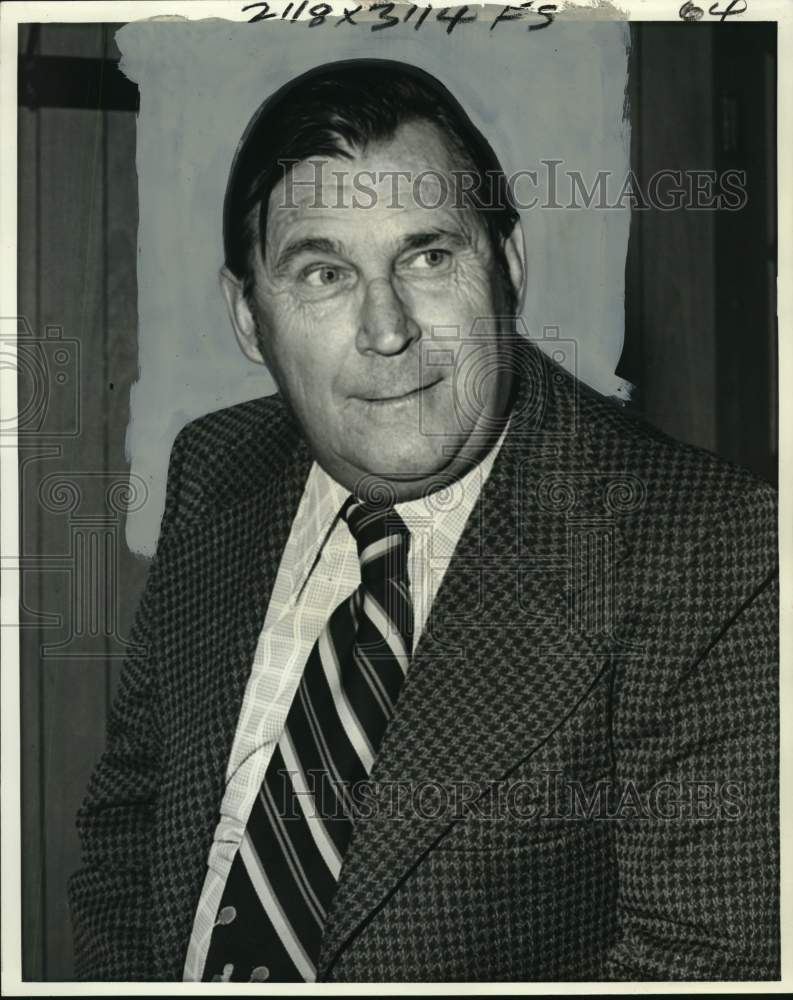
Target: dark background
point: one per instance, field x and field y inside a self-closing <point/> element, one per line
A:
<point x="700" y="345"/>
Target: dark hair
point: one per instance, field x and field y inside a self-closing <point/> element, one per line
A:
<point x="355" y="101"/>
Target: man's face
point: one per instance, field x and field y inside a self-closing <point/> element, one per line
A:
<point x="346" y="299"/>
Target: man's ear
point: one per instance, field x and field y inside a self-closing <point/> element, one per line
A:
<point x="242" y="319"/>
<point x="515" y="256"/>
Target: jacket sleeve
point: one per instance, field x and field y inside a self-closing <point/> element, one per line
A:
<point x="108" y="893"/>
<point x="696" y="731"/>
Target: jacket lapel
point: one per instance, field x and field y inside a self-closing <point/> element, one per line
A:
<point x="499" y="664"/>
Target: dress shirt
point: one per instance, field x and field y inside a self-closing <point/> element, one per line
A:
<point x="318" y="570"/>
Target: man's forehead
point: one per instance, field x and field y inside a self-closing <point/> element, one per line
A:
<point x="413" y="171"/>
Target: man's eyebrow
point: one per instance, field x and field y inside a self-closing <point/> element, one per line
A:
<point x="309" y="244"/>
<point x="413" y="241"/>
<point x="419" y="241"/>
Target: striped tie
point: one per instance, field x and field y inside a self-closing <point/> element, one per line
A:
<point x="272" y="914"/>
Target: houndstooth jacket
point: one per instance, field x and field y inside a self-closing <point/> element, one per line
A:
<point x="580" y="781"/>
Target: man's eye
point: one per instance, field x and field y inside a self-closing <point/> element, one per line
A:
<point x="430" y="260"/>
<point x="322" y="277"/>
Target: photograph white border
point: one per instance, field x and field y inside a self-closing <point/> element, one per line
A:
<point x="14" y="13"/>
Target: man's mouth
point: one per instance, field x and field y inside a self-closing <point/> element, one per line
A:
<point x="399" y="397"/>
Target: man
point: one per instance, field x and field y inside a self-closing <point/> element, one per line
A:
<point x="450" y="670"/>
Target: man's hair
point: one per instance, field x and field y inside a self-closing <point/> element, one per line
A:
<point x="353" y="102"/>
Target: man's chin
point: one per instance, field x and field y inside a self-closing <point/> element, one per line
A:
<point x="407" y="472"/>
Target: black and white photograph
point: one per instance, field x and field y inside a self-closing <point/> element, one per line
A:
<point x="393" y="451"/>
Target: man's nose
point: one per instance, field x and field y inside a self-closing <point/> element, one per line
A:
<point x="386" y="325"/>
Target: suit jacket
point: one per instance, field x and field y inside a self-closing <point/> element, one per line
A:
<point x="590" y="715"/>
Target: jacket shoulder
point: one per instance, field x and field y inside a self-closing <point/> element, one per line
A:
<point x="228" y="454"/>
<point x="674" y="476"/>
<point x="666" y="495"/>
<point x="226" y="427"/>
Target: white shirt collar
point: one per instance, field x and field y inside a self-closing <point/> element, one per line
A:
<point x="446" y="510"/>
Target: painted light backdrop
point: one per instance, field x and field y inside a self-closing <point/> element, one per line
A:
<point x="554" y="94"/>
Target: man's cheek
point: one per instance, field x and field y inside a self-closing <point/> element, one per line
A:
<point x="472" y="288"/>
<point x="457" y="302"/>
<point x="325" y="325"/>
<point x="297" y="333"/>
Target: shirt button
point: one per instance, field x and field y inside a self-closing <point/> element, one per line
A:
<point x="226" y="916"/>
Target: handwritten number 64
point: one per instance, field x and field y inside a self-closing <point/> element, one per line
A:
<point x="690" y="12"/>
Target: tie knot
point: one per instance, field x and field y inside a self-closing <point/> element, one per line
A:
<point x="382" y="538"/>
